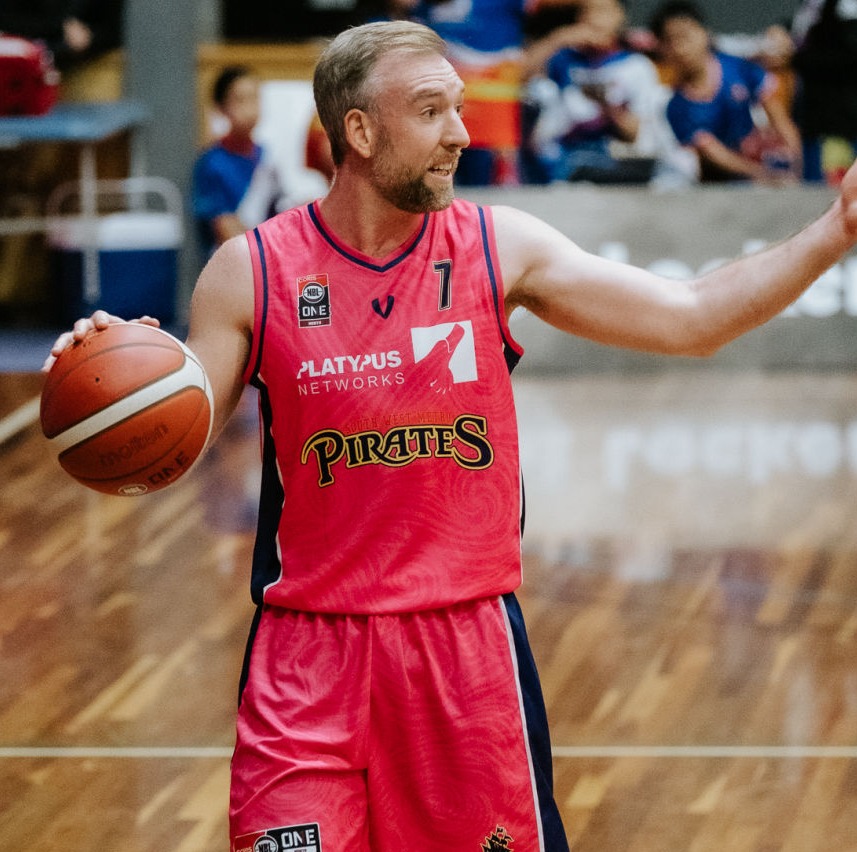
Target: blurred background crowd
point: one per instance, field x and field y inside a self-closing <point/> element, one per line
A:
<point x="602" y="92"/>
<point x="568" y="90"/>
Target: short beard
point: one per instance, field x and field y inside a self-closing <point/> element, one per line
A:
<point x="405" y="190"/>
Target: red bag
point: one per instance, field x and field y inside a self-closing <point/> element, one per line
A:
<point x="29" y="82"/>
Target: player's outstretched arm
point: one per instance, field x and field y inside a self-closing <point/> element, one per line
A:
<point x="622" y="305"/>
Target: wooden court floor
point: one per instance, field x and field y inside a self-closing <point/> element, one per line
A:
<point x="691" y="594"/>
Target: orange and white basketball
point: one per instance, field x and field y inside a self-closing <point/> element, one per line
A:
<point x="128" y="410"/>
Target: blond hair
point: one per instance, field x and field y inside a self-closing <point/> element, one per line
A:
<point x="342" y="79"/>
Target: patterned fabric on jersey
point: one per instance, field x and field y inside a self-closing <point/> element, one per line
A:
<point x="390" y="465"/>
<point x="728" y="115"/>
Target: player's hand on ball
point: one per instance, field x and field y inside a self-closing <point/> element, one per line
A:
<point x="128" y="409"/>
<point x="99" y="320"/>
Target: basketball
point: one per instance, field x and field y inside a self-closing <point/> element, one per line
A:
<point x="128" y="410"/>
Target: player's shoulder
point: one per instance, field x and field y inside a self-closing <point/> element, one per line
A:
<point x="523" y="237"/>
<point x="506" y="214"/>
<point x="231" y="265"/>
<point x="226" y="284"/>
<point x="518" y="234"/>
<point x="297" y="216"/>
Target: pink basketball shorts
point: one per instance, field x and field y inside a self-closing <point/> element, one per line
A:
<point x="392" y="732"/>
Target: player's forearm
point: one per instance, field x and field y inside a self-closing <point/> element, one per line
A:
<point x="744" y="294"/>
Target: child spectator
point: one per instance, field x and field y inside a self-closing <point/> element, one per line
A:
<point x="234" y="186"/>
<point x="712" y="108"/>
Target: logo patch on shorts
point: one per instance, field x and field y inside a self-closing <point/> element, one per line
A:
<point x="292" y="838"/>
<point x="499" y="840"/>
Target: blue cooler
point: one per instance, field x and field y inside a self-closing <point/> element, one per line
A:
<point x="134" y="263"/>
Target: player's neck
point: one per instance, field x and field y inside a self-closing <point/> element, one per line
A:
<point x="364" y="220"/>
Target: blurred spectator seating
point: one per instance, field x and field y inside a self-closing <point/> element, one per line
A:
<point x="825" y="37"/>
<point x="729" y="109"/>
<point x="596" y="106"/>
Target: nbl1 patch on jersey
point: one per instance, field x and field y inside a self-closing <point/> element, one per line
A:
<point x="313" y="301"/>
<point x="292" y="838"/>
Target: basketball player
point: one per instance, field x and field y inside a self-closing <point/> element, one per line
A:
<point x="389" y="699"/>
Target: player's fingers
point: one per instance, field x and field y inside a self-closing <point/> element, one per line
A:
<point x="102" y="319"/>
<point x="147" y="320"/>
<point x="79" y="330"/>
<point x="65" y="339"/>
<point x="98" y="320"/>
<point x="61" y="342"/>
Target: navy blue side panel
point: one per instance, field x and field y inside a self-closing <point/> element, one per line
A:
<point x="509" y="353"/>
<point x="266" y="560"/>
<point x="537" y="729"/>
<point x="248" y="651"/>
<point x="264" y="312"/>
<point x="266" y="563"/>
<point x="511" y="357"/>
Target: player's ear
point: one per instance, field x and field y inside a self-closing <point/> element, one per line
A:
<point x="359" y="131"/>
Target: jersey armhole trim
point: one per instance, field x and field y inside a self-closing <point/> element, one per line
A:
<point x="260" y="310"/>
<point x="513" y="349"/>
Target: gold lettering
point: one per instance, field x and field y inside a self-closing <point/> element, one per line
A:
<point x="465" y="442"/>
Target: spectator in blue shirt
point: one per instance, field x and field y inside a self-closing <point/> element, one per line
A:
<point x="712" y="109"/>
<point x="234" y="187"/>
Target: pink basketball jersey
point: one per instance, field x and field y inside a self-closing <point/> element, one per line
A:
<point x="390" y="451"/>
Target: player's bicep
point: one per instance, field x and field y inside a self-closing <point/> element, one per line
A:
<point x="586" y="295"/>
<point x="221" y="321"/>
